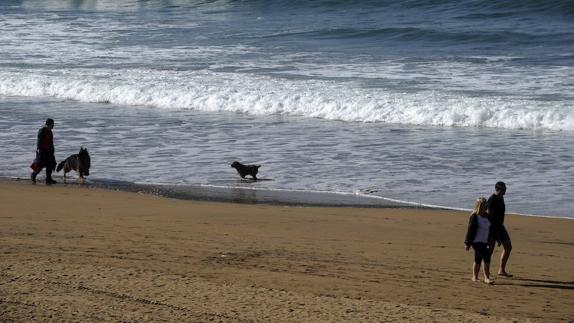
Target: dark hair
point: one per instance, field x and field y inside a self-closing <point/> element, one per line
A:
<point x="49" y="121"/>
<point x="500" y="186"/>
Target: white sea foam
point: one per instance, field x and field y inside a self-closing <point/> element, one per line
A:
<point x="80" y="59"/>
<point x="258" y="95"/>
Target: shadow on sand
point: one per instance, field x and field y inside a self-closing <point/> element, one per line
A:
<point x="537" y="283"/>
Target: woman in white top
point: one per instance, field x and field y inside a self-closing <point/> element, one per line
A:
<point x="477" y="237"/>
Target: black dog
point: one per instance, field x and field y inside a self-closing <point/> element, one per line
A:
<point x="244" y="170"/>
<point x="79" y="162"/>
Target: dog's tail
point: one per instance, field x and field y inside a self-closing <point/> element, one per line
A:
<point x="60" y="166"/>
<point x="257" y="166"/>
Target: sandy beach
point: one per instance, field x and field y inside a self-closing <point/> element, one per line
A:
<point x="78" y="254"/>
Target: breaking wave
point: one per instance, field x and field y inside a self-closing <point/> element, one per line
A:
<point x="257" y="95"/>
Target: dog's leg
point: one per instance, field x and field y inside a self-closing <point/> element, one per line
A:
<point x="66" y="171"/>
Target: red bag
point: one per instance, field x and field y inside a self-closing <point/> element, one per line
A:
<point x="35" y="166"/>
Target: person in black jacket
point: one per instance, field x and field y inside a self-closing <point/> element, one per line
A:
<point x="477" y="237"/>
<point x="45" y="153"/>
<point x="496" y="209"/>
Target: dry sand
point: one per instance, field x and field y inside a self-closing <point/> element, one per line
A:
<point x="77" y="254"/>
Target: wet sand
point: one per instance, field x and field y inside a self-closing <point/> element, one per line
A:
<point x="85" y="254"/>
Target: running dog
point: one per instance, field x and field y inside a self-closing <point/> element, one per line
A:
<point x="79" y="162"/>
<point x="244" y="170"/>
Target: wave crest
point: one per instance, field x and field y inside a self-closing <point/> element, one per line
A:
<point x="207" y="91"/>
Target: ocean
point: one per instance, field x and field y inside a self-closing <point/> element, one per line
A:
<point x="427" y="102"/>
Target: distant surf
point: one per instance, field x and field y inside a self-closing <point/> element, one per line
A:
<point x="501" y="64"/>
<point x="258" y="95"/>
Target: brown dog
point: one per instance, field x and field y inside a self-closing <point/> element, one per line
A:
<point x="245" y="170"/>
<point x="79" y="162"/>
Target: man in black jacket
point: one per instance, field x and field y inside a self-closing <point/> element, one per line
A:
<point x="45" y="153"/>
<point x="496" y="210"/>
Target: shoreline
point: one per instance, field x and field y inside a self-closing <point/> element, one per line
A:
<point x="241" y="195"/>
<point x="74" y="253"/>
<point x="263" y="196"/>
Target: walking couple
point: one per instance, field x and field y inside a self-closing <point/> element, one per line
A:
<point x="485" y="229"/>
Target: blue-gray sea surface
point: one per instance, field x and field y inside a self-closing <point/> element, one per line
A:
<point x="423" y="101"/>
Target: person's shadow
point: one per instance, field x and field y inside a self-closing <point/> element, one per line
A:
<point x="539" y="283"/>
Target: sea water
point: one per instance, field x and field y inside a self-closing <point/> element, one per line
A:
<point x="420" y="101"/>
